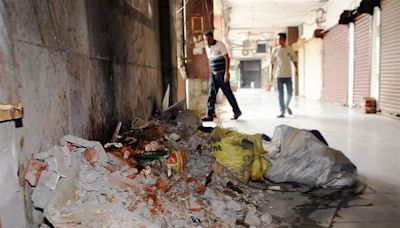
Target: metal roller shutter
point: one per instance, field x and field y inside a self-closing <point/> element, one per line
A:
<point x="336" y="64"/>
<point x="362" y="58"/>
<point x="390" y="58"/>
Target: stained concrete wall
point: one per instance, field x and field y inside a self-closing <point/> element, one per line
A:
<point x="199" y="18"/>
<point x="78" y="67"/>
<point x="180" y="52"/>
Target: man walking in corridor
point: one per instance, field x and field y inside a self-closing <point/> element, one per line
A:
<point x="219" y="61"/>
<point x="281" y="61"/>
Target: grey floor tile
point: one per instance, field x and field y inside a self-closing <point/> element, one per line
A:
<point x="370" y="214"/>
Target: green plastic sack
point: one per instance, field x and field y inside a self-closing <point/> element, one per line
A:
<point x="240" y="153"/>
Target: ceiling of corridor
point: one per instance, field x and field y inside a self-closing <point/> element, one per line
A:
<point x="263" y="19"/>
<point x="268" y="15"/>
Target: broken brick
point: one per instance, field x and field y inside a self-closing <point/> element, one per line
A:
<point x="201" y="189"/>
<point x="132" y="207"/>
<point x="90" y="155"/>
<point x="150" y="193"/>
<point x="110" y="199"/>
<point x="70" y="147"/>
<point x="162" y="184"/>
<point x="131" y="176"/>
<point x="219" y="169"/>
<point x="132" y="162"/>
<point x="35" y="168"/>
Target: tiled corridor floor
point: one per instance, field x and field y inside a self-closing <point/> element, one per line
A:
<point x="372" y="142"/>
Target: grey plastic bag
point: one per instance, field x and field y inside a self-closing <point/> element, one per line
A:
<point x="304" y="159"/>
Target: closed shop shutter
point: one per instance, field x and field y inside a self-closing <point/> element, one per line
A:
<point x="390" y="58"/>
<point x="313" y="68"/>
<point x="336" y="64"/>
<point x="362" y="58"/>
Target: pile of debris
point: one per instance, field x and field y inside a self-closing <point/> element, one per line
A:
<point x="155" y="174"/>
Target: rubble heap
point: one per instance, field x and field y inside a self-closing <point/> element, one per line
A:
<point x="155" y="174"/>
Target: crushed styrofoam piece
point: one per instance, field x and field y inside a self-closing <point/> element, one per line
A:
<point x="52" y="164"/>
<point x="41" y="196"/>
<point x="229" y="218"/>
<point x="210" y="194"/>
<point x="194" y="205"/>
<point x="218" y="207"/>
<point x="274" y="188"/>
<point x="234" y="206"/>
<point x="117" y="145"/>
<point x="61" y="160"/>
<point x="266" y="218"/>
<point x="130" y="170"/>
<point x="41" y="155"/>
<point x="146" y="171"/>
<point x="195" y="141"/>
<point x="150" y="180"/>
<point x="49" y="179"/>
<point x="92" y="180"/>
<point x="251" y="217"/>
<point x="152" y="146"/>
<point x="173" y="137"/>
<point x="67" y="156"/>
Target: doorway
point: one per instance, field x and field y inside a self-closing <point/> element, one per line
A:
<point x="250" y="71"/>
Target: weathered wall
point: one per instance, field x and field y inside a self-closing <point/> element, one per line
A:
<point x="199" y="18"/>
<point x="136" y="58"/>
<point x="180" y="52"/>
<point x="78" y="67"/>
<point x="169" y="66"/>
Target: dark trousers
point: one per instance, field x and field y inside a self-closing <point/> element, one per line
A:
<point x="216" y="81"/>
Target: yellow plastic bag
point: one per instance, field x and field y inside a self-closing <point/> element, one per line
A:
<point x="260" y="164"/>
<point x="240" y="153"/>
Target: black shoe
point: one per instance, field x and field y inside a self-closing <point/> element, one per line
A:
<point x="207" y="118"/>
<point x="236" y="116"/>
<point x="289" y="111"/>
<point x="282" y="115"/>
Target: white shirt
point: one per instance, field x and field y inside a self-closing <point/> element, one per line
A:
<point x="282" y="57"/>
<point x="216" y="51"/>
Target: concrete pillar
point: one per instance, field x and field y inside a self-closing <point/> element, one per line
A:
<point x="351" y="65"/>
<point x="376" y="36"/>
